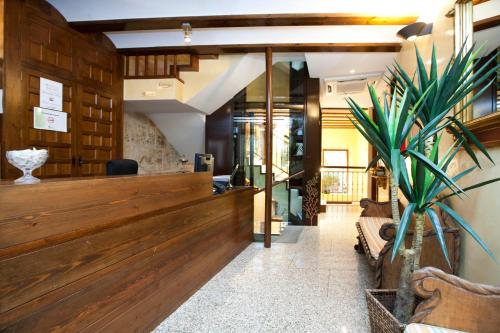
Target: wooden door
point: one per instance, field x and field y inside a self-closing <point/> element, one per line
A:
<point x="40" y="44"/>
<point x="97" y="133"/>
<point x="95" y="128"/>
<point x="60" y="145"/>
<point x="48" y="53"/>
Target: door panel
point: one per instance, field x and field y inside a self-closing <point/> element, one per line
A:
<point x="96" y="132"/>
<point x="58" y="144"/>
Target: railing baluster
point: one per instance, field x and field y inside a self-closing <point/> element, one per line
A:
<point x="343" y="183"/>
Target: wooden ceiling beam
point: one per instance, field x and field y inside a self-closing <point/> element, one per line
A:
<point x="225" y="21"/>
<point x="253" y="48"/>
<point x="487" y="23"/>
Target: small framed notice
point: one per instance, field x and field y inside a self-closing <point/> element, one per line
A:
<point x="50" y="120"/>
<point x="51" y="94"/>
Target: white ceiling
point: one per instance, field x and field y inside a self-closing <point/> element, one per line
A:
<point x="259" y="35"/>
<point x="85" y="10"/>
<point x="322" y="65"/>
<point x="340" y="64"/>
<point x="486" y="9"/>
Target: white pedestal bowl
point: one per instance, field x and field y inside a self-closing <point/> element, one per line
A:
<point x="27" y="160"/>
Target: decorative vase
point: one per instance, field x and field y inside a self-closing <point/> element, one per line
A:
<point x="27" y="160"/>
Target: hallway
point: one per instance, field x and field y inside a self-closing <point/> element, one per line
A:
<point x="314" y="285"/>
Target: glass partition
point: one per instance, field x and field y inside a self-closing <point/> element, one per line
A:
<point x="249" y="121"/>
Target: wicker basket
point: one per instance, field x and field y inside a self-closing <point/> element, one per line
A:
<point x="380" y="304"/>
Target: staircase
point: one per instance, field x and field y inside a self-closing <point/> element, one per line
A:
<point x="287" y="198"/>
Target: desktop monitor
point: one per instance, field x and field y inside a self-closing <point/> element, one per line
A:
<point x="203" y="162"/>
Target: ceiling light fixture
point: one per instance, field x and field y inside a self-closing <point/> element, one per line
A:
<point x="414" y="30"/>
<point x="352" y="71"/>
<point x="188" y="31"/>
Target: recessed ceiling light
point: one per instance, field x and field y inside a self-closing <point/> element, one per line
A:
<point x="352" y="71"/>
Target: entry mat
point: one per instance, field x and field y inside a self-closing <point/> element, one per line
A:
<point x="290" y="234"/>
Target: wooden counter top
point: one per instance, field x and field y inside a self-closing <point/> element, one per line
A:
<point x="70" y="179"/>
<point x="124" y="251"/>
<point x="59" y="210"/>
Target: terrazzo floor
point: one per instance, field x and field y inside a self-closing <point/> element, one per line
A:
<point x="315" y="285"/>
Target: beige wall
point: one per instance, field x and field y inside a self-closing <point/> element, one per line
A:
<point x="209" y="70"/>
<point x="481" y="209"/>
<point x="256" y="90"/>
<point x="349" y="139"/>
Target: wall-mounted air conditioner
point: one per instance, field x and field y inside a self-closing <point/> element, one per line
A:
<point x="345" y="87"/>
<point x="350" y="84"/>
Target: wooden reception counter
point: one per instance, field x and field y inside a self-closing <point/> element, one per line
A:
<point x="115" y="254"/>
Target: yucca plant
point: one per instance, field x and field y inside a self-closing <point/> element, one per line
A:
<point x="425" y="192"/>
<point x="426" y="105"/>
<point x="461" y="76"/>
<point x="388" y="134"/>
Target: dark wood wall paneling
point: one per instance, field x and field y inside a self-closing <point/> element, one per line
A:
<point x="144" y="245"/>
<point x="219" y="138"/>
<point x="312" y="139"/>
<point x="39" y="43"/>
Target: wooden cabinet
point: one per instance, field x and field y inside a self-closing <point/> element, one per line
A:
<point x="39" y="43"/>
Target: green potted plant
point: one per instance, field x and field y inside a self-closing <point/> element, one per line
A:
<point x="426" y="105"/>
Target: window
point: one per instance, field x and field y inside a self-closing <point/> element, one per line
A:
<point x="335" y="157"/>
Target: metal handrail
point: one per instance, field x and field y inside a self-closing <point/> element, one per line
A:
<point x="274" y="164"/>
<point x="281" y="181"/>
<point x="343" y="184"/>
<point x="342" y="167"/>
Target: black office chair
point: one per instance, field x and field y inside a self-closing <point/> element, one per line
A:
<point x="121" y="167"/>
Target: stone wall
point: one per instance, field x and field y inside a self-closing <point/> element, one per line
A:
<point x="146" y="144"/>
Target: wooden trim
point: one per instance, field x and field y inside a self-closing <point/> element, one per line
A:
<point x="269" y="148"/>
<point x="487" y="23"/>
<point x="252" y="48"/>
<point x="486" y="129"/>
<point x="225" y="21"/>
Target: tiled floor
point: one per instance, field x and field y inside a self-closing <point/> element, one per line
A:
<point x="315" y="285"/>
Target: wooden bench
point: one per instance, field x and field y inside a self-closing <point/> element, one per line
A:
<point x="376" y="239"/>
<point x="454" y="303"/>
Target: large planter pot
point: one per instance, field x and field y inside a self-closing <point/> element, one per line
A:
<point x="380" y="304"/>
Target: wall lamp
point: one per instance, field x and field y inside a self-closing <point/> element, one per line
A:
<point x="414" y="30"/>
<point x="186" y="27"/>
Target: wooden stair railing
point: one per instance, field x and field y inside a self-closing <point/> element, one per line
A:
<point x="153" y="66"/>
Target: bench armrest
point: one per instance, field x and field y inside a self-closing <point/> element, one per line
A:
<point x="452" y="302"/>
<point x="373" y="208"/>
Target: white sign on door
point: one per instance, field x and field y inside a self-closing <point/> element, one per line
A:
<point x="51" y="94"/>
<point x="51" y="120"/>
